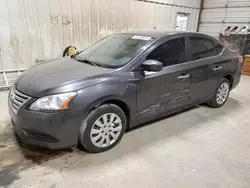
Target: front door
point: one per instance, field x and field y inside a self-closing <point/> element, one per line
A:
<point x="166" y="90"/>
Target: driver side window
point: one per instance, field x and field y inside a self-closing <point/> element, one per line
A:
<point x="170" y="53"/>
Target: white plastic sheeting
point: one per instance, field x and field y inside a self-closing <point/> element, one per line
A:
<point x="32" y="29"/>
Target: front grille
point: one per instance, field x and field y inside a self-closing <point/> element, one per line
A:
<point x="17" y="99"/>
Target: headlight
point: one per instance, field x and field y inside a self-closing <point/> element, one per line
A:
<point x="53" y="102"/>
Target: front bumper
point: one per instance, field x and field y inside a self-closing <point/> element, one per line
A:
<point x="51" y="130"/>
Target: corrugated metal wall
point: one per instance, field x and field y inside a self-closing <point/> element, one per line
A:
<point x="217" y="15"/>
<point x="32" y="29"/>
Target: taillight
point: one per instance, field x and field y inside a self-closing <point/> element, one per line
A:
<point x="240" y="59"/>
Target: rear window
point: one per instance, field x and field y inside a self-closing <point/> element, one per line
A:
<point x="201" y="48"/>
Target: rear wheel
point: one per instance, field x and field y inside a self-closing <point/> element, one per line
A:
<point x="103" y="128"/>
<point x="221" y="94"/>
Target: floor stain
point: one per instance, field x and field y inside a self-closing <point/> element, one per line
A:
<point x="10" y="173"/>
<point x="6" y="135"/>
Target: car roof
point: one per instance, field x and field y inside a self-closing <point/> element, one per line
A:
<point x="157" y="33"/>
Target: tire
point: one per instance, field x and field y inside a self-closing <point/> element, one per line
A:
<point x="216" y="103"/>
<point x="95" y="133"/>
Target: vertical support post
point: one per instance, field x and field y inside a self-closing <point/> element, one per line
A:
<point x="5" y="79"/>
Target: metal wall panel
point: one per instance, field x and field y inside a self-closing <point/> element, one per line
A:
<point x="217" y="15"/>
<point x="224" y="3"/>
<point x="187" y="3"/>
<point x="32" y="29"/>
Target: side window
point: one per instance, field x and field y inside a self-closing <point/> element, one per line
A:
<point x="170" y="53"/>
<point x="201" y="48"/>
<point x="218" y="48"/>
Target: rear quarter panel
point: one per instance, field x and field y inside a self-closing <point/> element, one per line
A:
<point x="231" y="66"/>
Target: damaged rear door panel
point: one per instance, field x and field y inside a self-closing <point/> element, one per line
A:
<point x="206" y="66"/>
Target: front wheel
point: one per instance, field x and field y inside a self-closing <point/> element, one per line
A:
<point x="103" y="128"/>
<point x="221" y="94"/>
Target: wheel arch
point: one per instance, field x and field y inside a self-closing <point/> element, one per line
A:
<point x="112" y="100"/>
<point x="230" y="79"/>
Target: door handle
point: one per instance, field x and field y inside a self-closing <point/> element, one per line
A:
<point x="217" y="68"/>
<point x="183" y="76"/>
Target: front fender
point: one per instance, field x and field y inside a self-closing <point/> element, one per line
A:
<point x="94" y="95"/>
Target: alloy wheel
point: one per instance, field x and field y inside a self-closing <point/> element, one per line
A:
<point x="222" y="93"/>
<point x="106" y="130"/>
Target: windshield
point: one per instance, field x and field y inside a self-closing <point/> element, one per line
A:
<point x="115" y="51"/>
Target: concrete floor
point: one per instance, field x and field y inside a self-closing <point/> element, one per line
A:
<point x="201" y="147"/>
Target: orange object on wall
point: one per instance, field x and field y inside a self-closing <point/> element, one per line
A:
<point x="246" y="65"/>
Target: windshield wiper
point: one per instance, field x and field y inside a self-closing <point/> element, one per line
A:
<point x="87" y="61"/>
<point x="94" y="63"/>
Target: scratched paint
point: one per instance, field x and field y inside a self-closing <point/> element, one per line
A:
<point x="33" y="29"/>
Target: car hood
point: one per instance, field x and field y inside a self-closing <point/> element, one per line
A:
<point x="43" y="79"/>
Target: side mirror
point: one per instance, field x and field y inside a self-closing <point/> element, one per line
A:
<point x="152" y="65"/>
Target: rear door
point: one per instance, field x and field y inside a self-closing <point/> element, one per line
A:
<point x="205" y="60"/>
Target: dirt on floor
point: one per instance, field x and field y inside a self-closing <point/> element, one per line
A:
<point x="201" y="147"/>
